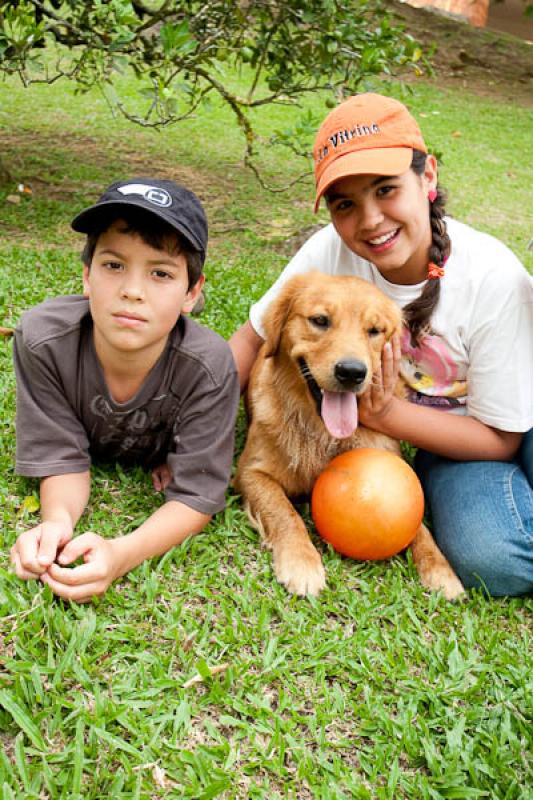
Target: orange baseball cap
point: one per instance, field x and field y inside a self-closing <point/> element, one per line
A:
<point x="367" y="133"/>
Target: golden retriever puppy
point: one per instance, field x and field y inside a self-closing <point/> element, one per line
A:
<point x="324" y="338"/>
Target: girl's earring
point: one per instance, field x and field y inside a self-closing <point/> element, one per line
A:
<point x="432" y="195"/>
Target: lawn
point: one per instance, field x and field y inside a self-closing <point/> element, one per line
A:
<point x="197" y="676"/>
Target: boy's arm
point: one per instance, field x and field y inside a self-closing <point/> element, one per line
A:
<point x="199" y="463"/>
<point x="108" y="559"/>
<point x="63" y="500"/>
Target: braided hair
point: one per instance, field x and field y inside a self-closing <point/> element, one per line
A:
<point x="418" y="312"/>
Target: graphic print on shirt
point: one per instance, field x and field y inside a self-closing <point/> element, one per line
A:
<point x="431" y="373"/>
<point x="142" y="434"/>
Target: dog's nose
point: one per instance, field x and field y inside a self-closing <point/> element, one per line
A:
<point x="350" y="372"/>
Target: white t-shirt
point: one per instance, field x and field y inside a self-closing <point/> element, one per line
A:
<point x="478" y="357"/>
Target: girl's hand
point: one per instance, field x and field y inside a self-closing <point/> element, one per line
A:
<point x="91" y="578"/>
<point x="37" y="548"/>
<point x="378" y="399"/>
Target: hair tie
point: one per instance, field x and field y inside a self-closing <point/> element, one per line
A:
<point x="434" y="271"/>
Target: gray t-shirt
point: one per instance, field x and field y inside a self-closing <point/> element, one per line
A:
<point x="184" y="413"/>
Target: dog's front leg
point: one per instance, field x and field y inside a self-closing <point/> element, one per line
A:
<point x="433" y="568"/>
<point x="297" y="563"/>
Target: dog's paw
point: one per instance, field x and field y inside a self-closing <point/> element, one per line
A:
<point x="300" y="569"/>
<point x="443" y="579"/>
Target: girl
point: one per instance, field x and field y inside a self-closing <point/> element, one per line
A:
<point x="465" y="352"/>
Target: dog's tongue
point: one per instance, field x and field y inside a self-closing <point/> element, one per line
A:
<point x="339" y="412"/>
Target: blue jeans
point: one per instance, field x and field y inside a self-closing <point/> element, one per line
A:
<point x="482" y="517"/>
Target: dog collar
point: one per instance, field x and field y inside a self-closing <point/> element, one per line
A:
<point x="314" y="388"/>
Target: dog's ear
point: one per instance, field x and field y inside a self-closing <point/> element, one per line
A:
<point x="276" y="317"/>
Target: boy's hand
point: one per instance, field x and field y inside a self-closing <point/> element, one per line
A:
<point x="377" y="400"/>
<point x="161" y="477"/>
<point x="36" y="549"/>
<point x="89" y="579"/>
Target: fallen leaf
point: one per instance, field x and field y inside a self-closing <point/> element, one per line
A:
<point x="158" y="774"/>
<point x="188" y="642"/>
<point x="30" y="504"/>
<point x="200" y="678"/>
<point x="13" y="198"/>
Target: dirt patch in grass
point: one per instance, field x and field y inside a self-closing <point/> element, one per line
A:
<point x="485" y="62"/>
<point x="46" y="169"/>
<point x="21" y="150"/>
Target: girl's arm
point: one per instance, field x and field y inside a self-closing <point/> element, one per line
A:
<point x="245" y="344"/>
<point x="454" y="436"/>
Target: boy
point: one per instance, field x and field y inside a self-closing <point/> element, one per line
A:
<point x="122" y="374"/>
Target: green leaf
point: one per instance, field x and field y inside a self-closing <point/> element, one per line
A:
<point x="21" y="760"/>
<point x="177" y="38"/>
<point x="78" y="757"/>
<point x="214" y="789"/>
<point x="118" y="744"/>
<point x="22" y="719"/>
<point x="202" y="667"/>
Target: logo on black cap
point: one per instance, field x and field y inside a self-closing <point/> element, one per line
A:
<point x="155" y="195"/>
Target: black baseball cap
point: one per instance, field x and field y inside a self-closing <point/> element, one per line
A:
<point x="176" y="205"/>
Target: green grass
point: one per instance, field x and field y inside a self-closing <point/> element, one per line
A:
<point x="375" y="690"/>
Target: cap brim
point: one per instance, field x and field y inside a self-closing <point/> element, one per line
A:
<point x="378" y="161"/>
<point x="87" y="220"/>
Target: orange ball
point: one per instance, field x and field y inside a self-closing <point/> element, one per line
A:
<point x="368" y="504"/>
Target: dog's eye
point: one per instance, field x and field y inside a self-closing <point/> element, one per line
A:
<point x="320" y="321"/>
<point x="373" y="331"/>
